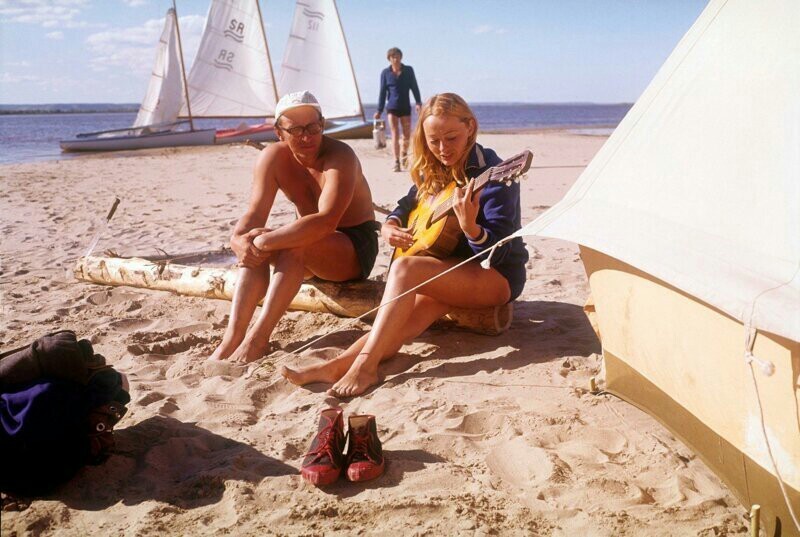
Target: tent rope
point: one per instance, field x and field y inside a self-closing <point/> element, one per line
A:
<point x="767" y="368"/>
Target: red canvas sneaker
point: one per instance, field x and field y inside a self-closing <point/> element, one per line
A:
<point x="324" y="461"/>
<point x="364" y="452"/>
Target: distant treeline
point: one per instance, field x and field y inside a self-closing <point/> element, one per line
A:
<point x="76" y="108"/>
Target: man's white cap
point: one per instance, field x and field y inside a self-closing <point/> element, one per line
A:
<point x="296" y="100"/>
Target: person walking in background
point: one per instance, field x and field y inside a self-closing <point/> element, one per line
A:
<point x="396" y="81"/>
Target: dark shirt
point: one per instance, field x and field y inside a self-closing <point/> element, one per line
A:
<point x="499" y="215"/>
<point x="395" y="88"/>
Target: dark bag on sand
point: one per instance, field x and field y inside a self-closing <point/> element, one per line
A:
<point x="59" y="403"/>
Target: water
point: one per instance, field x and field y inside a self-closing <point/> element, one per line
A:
<point x="29" y="137"/>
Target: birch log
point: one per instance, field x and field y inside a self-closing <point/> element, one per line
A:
<point x="349" y="299"/>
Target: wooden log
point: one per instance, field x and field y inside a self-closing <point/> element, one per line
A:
<point x="348" y="299"/>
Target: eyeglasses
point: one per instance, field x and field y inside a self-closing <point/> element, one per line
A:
<point x="311" y="129"/>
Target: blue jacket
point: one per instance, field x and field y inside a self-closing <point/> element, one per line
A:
<point x="395" y="88"/>
<point x="499" y="215"/>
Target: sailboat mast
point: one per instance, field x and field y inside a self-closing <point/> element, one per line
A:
<point x="183" y="68"/>
<point x="266" y="46"/>
<point x="350" y="59"/>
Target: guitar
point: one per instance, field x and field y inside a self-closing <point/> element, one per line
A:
<point x="435" y="229"/>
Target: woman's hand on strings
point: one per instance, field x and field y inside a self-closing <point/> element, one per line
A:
<point x="466" y="206"/>
<point x="397" y="236"/>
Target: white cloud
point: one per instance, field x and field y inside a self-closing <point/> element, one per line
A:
<point x="488" y="29"/>
<point x="10" y="78"/>
<point x="134" y="48"/>
<point x="47" y="13"/>
<point x="54" y="35"/>
<point x="135" y="3"/>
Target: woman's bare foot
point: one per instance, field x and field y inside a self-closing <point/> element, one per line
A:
<point x="328" y="372"/>
<point x="356" y="380"/>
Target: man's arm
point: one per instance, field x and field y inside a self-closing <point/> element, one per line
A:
<point x="381" y="96"/>
<point x="415" y="88"/>
<point x="341" y="174"/>
<point x="262" y="196"/>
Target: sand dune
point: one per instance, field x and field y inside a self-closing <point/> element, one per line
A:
<point x="483" y="435"/>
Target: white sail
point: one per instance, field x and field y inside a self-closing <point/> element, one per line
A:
<point x="164" y="96"/>
<point x="317" y="59"/>
<point x="231" y="75"/>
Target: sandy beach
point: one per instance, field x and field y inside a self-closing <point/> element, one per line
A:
<point x="482" y="435"/>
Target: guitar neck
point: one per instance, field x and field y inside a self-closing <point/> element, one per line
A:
<point x="505" y="171"/>
<point x="447" y="204"/>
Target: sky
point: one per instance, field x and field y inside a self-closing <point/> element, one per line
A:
<point x="537" y="51"/>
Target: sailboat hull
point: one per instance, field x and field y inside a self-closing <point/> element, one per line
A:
<point x="255" y="133"/>
<point x="354" y="129"/>
<point x="98" y="142"/>
<point x="680" y="360"/>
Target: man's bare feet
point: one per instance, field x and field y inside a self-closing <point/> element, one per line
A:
<point x="328" y="372"/>
<point x="226" y="348"/>
<point x="357" y="380"/>
<point x="249" y="351"/>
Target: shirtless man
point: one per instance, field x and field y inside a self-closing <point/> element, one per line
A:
<point x="333" y="238"/>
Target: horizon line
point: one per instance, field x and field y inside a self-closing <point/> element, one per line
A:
<point x="365" y="104"/>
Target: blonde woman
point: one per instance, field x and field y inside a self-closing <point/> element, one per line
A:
<point x="445" y="150"/>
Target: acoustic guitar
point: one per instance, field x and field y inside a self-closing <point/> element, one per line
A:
<point x="435" y="228"/>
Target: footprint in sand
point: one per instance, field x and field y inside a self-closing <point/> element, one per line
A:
<point x="478" y="424"/>
<point x="130" y="325"/>
<point x="110" y="296"/>
<point x="223" y="368"/>
<point x="520" y="465"/>
<point x="171" y="342"/>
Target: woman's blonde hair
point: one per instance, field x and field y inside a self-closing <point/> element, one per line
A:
<point x="427" y="172"/>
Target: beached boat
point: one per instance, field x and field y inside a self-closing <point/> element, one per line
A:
<point x="317" y="59"/>
<point x="156" y="123"/>
<point x="139" y="138"/>
<point x="688" y="221"/>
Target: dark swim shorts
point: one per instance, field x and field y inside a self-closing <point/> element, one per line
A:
<point x="365" y="240"/>
<point x="399" y="112"/>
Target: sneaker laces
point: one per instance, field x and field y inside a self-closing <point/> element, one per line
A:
<point x="327" y="437"/>
<point x="361" y="444"/>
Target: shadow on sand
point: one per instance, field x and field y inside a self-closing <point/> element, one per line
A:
<point x="541" y="331"/>
<point x="169" y="461"/>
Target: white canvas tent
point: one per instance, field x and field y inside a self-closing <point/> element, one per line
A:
<point x="689" y="224"/>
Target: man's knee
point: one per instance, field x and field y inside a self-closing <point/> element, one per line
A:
<point x="290" y="255"/>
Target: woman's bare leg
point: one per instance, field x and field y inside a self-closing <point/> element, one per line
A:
<point x="487" y="288"/>
<point x="426" y="312"/>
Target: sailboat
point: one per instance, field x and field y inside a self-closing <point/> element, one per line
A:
<point x="317" y="59"/>
<point x="231" y="76"/>
<point x="156" y="123"/>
